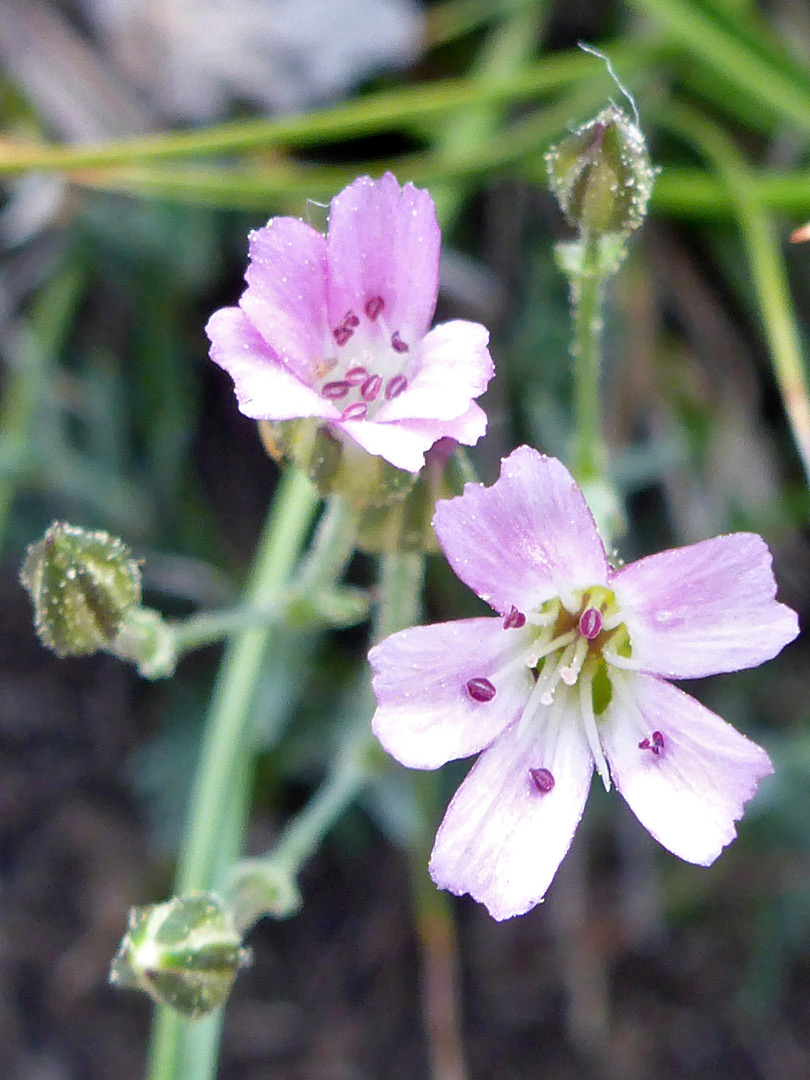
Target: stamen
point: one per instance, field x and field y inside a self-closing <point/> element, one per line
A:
<point x="591" y="732"/>
<point x="358" y="410"/>
<point x="397" y="344"/>
<point x="655" y="743"/>
<point x="590" y="623"/>
<point x="342" y="334"/>
<point x="370" y="389"/>
<point x="571" y="671"/>
<point x="549" y="678"/>
<point x="374" y="306"/>
<point x="355" y="376"/>
<point x="350" y="320"/>
<point x="547" y="618"/>
<point x="514" y="620"/>
<point x="481" y="689"/>
<point x="544" y="648"/>
<point x="395" y="387"/>
<point x="543" y="780"/>
<point x="538" y="694"/>
<point x="334" y="391"/>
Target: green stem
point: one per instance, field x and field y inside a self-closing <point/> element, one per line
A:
<point x="221" y="790"/>
<point x="587" y="291"/>
<point x="401" y="578"/>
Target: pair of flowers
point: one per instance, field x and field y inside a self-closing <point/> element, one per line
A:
<point x="572" y="672"/>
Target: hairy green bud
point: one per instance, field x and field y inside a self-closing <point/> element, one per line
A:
<point x="184" y="953"/>
<point x="81" y="584"/>
<point x="601" y="174"/>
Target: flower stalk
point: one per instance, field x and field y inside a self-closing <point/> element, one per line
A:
<point x="220" y="799"/>
<point x="589" y="456"/>
<point x="267" y="886"/>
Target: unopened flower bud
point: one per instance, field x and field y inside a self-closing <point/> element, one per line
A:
<point x="601" y="174"/>
<point x="81" y="584"/>
<point x="184" y="953"/>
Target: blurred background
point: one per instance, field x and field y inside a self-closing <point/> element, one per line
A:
<point x="114" y="253"/>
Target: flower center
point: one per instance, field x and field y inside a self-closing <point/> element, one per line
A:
<point x="568" y="645"/>
<point x="370" y="365"/>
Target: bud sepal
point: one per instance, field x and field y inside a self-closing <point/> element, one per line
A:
<point x="184" y="953"/>
<point x="81" y="584"/>
<point x="601" y="174"/>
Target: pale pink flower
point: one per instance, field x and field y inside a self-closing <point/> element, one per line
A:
<point x="571" y="674"/>
<point x="337" y="327"/>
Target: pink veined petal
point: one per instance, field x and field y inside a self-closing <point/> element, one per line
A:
<point x="703" y="609"/>
<point x="264" y="389"/>
<point x="690" y="794"/>
<point x="286" y="294"/>
<point x="403" y="445"/>
<point x="454" y="367"/>
<point x="526" y="539"/>
<point x="502" y="839"/>
<point x="425" y="714"/>
<point x="384" y="243"/>
<point x="467" y="429"/>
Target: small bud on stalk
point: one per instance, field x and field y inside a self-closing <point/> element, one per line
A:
<point x="184" y="953"/>
<point x="601" y="174"/>
<point x="81" y="584"/>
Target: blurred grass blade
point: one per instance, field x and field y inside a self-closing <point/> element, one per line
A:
<point x="690" y="192"/>
<point x="766" y="265"/>
<point x="387" y="111"/>
<point x="709" y="39"/>
<point x="31" y="356"/>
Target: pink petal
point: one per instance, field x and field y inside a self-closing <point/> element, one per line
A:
<point x="502" y="839"/>
<point x="454" y="367"/>
<point x="426" y="715"/>
<point x="690" y="794"/>
<point x="703" y="609"/>
<point x="384" y="243"/>
<point x="405" y="443"/>
<point x="467" y="428"/>
<point x="264" y="389"/>
<point x="527" y="538"/>
<point x="286" y="294"/>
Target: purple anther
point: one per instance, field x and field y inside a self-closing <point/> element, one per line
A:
<point x="356" y="375"/>
<point x="342" y="334"/>
<point x="481" y="689"/>
<point x="358" y="410"/>
<point x="590" y="623"/>
<point x="334" y="391"/>
<point x="543" y="780"/>
<point x="655" y="743"/>
<point x="395" y="387"/>
<point x="374" y="306"/>
<point x="350" y="320"/>
<point x="514" y="620"/>
<point x="370" y="390"/>
<point x="397" y="344"/>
